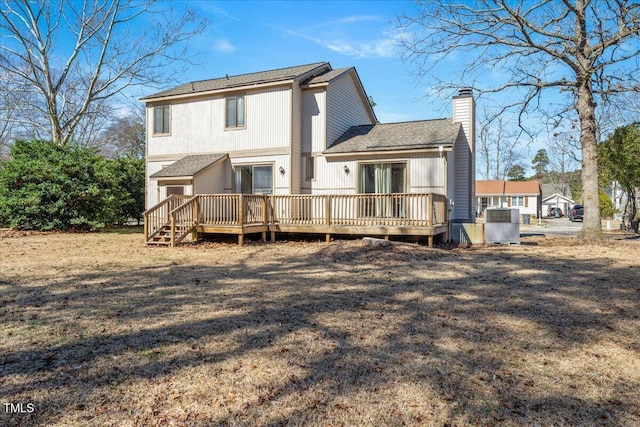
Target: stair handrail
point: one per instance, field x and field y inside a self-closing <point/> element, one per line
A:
<point x="185" y="217"/>
<point x="158" y="216"/>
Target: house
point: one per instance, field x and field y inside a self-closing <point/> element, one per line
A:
<point x="553" y="196"/>
<point x="524" y="195"/>
<point x="308" y="131"/>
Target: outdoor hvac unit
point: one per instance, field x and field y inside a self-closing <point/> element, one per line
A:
<point x="502" y="226"/>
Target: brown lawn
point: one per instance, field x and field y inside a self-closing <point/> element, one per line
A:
<point x="97" y="329"/>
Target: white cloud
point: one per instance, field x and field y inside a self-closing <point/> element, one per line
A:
<point x="340" y="36"/>
<point x="382" y="48"/>
<point x="223" y="46"/>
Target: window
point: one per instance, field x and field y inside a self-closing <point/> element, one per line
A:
<point x="311" y="168"/>
<point x="161" y="120"/>
<point x="235" y="111"/>
<point x="177" y="190"/>
<point x="254" y="179"/>
<point x="517" y="201"/>
<point x="383" y="178"/>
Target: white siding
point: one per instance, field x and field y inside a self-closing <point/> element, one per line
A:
<point x="295" y="163"/>
<point x="345" y="107"/>
<point x="462" y="187"/>
<point x="151" y="194"/>
<point x="314" y="122"/>
<point x="331" y="177"/>
<point x="426" y="174"/>
<point x="464" y="152"/>
<point x="197" y="125"/>
<point x="451" y="175"/>
<point x="214" y="180"/>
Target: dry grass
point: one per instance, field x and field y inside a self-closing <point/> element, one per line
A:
<point x="99" y="330"/>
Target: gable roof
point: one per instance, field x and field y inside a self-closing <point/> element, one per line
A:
<point x="188" y="166"/>
<point x="327" y="76"/>
<point x="556" y="198"/>
<point x="507" y="188"/>
<point x="229" y="82"/>
<point x="490" y="188"/>
<point x="549" y="189"/>
<point x="396" y="136"/>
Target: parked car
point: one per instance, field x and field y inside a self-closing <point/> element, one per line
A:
<point x="575" y="213"/>
<point x="555" y="212"/>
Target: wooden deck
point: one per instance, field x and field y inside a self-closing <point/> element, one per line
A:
<point x="409" y="214"/>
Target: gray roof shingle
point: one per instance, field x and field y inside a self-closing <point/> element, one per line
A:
<point x="326" y="76"/>
<point x="188" y="166"/>
<point x="229" y="82"/>
<point x="396" y="136"/>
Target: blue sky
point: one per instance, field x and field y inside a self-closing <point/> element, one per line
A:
<point x="249" y="36"/>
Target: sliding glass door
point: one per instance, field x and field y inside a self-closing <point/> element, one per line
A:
<point x="254" y="179"/>
<point x="383" y="178"/>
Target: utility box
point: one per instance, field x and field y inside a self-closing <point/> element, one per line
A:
<point x="502" y="226"/>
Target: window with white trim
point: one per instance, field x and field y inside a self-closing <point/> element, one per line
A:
<point x="235" y="112"/>
<point x="517" y="201"/>
<point x="162" y="120"/>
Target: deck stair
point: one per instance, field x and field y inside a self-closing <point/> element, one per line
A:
<point x="163" y="235"/>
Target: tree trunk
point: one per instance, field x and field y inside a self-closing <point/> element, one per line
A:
<point x="585" y="106"/>
<point x="634" y="221"/>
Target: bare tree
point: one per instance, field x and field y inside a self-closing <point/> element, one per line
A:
<point x="584" y="51"/>
<point x="7" y="114"/>
<point x="563" y="164"/>
<point x="73" y="57"/>
<point x="125" y="136"/>
<point x="499" y="147"/>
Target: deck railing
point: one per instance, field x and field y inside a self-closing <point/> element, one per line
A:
<point x="158" y="216"/>
<point x="406" y="209"/>
<point x="183" y="219"/>
<point x="237" y="211"/>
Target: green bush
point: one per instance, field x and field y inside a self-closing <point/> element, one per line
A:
<point x="606" y="205"/>
<point x="50" y="187"/>
<point x="128" y="184"/>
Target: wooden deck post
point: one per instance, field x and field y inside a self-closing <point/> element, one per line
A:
<point x="327" y="217"/>
<point x="430" y="211"/>
<point x="196" y="218"/>
<point x="241" y="219"/>
<point x="240" y="210"/>
<point x="146" y="227"/>
<point x="265" y="212"/>
<point x="173" y="231"/>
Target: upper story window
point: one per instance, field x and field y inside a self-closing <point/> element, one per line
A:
<point x="235" y="112"/>
<point x="161" y="120"/>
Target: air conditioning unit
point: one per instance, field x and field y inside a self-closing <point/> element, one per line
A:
<point x="502" y="226"/>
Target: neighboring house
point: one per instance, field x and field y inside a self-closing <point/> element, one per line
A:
<point x="619" y="197"/>
<point x="554" y="197"/>
<point x="308" y="129"/>
<point x="524" y="195"/>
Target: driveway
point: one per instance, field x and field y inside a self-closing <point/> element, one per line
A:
<point x="552" y="227"/>
<point x="561" y="227"/>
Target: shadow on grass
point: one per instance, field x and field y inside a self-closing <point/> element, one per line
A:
<point x="477" y="340"/>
